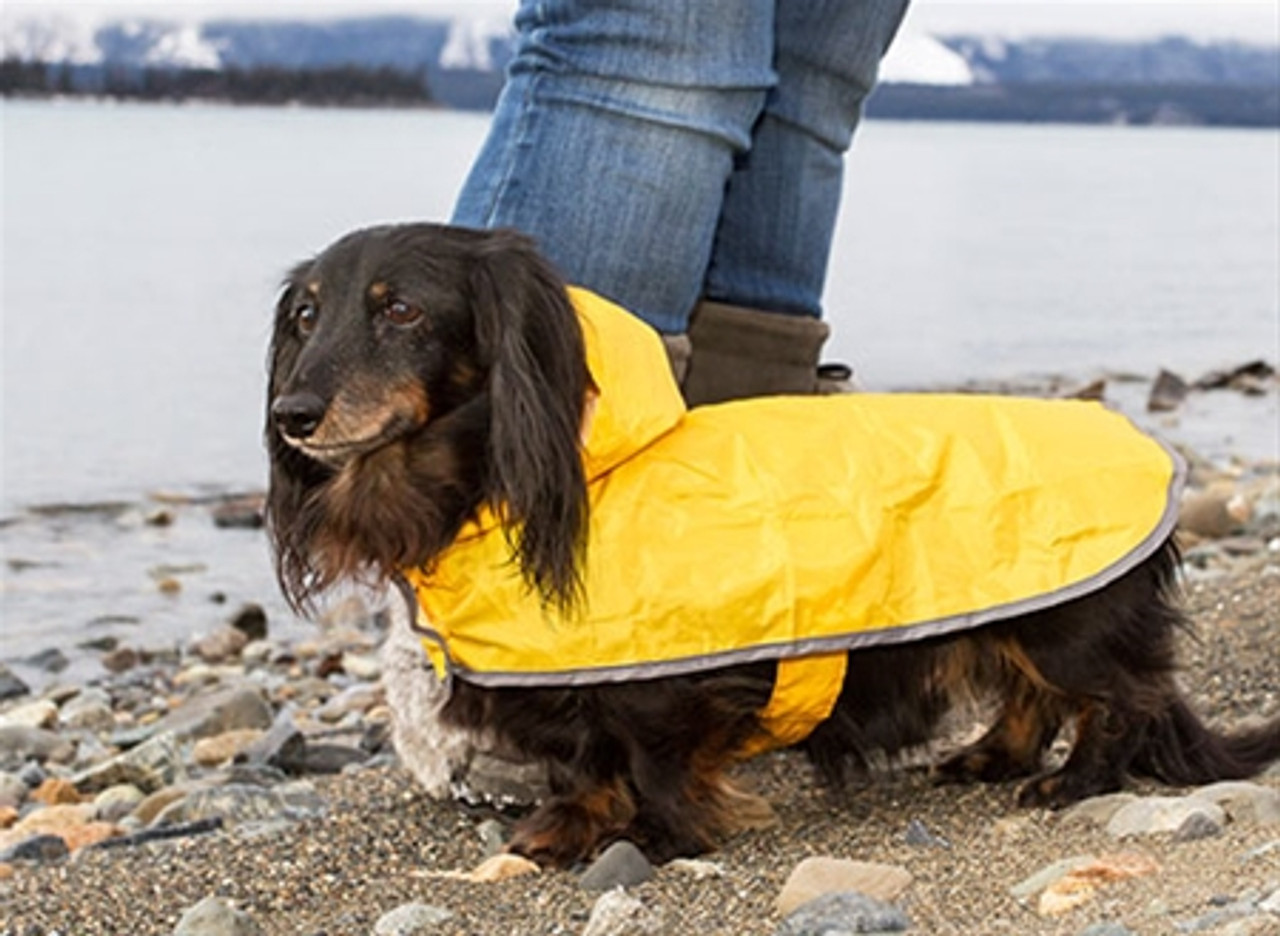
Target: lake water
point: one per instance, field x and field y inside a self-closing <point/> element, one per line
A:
<point x="143" y="246"/>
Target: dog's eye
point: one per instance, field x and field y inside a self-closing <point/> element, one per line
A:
<point x="399" y="312"/>
<point x="305" y="317"/>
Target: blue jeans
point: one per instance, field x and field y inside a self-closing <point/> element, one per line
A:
<point x="666" y="151"/>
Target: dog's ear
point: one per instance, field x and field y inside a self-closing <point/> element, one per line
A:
<point x="293" y="476"/>
<point x="529" y="337"/>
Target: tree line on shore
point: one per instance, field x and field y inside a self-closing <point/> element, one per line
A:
<point x="1194" y="104"/>
<point x="346" y="85"/>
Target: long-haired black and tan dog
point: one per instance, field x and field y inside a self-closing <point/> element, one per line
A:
<point x="425" y="378"/>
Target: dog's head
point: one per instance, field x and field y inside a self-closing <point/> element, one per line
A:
<point x="418" y="372"/>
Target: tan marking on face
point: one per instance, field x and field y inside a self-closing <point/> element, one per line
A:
<point x="378" y="291"/>
<point x="365" y="415"/>
<point x="313" y="289"/>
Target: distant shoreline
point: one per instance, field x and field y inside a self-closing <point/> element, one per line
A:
<point x="1086" y="103"/>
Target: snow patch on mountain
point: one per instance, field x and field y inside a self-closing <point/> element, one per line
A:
<point x="916" y="58"/>
<point x="471" y="41"/>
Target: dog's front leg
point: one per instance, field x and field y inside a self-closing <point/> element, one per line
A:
<point x="431" y="749"/>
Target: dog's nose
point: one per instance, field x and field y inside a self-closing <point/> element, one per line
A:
<point x="298" y="414"/>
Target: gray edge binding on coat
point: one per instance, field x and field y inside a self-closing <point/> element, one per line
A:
<point x="901" y="634"/>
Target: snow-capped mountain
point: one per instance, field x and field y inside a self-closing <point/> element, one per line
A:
<point x="462" y="57"/>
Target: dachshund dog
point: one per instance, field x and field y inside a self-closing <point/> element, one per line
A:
<point x="421" y="375"/>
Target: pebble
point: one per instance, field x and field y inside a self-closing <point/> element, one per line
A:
<point x="617" y="913"/>
<point x="251" y="620"/>
<point x="411" y="919"/>
<point x="11" y="687"/>
<point x="237" y="803"/>
<point x="216" y="712"/>
<point x="843" y="912"/>
<point x="1106" y="929"/>
<point x="116" y="802"/>
<point x="1152" y="814"/>
<point x="154" y="764"/>
<point x="622" y="864"/>
<point x="214" y="916"/>
<point x="12" y="790"/>
<point x="41" y="848"/>
<point x="918" y="834"/>
<point x="89" y="709"/>
<point x="816" y="876"/>
<point x="222" y="644"/>
<point x="20" y="744"/>
<point x="1198" y="825"/>
<point x="219" y="749"/>
<point x="39" y="714"/>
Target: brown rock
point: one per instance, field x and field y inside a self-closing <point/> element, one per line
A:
<point x="8" y="816"/>
<point x="814" y="877"/>
<point x="210" y="752"/>
<point x="56" y="790"/>
<point x="91" y="833"/>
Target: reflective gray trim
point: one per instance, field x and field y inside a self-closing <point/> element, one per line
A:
<point x="416" y="625"/>
<point x="852" y="641"/>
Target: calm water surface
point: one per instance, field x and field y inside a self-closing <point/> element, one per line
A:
<point x="143" y="247"/>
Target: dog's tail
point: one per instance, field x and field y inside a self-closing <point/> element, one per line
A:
<point x="1180" y="749"/>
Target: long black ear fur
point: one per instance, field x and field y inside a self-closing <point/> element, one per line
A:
<point x="529" y="335"/>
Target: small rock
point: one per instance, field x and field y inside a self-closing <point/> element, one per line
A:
<point x="154" y="804"/>
<point x="235" y="804"/>
<point x="410" y="919"/>
<point x="364" y="666"/>
<point x="11" y="687"/>
<point x="1047" y="875"/>
<point x="12" y="790"/>
<point x="1167" y="392"/>
<point x="329" y="758"/>
<point x="698" y="868"/>
<point x="218" y="749"/>
<point x="251" y="620"/>
<point x="116" y="802"/>
<point x="1271" y="904"/>
<point x="20" y="744"/>
<point x="42" y="847"/>
<point x="213" y="916"/>
<point x="617" y="913"/>
<point x="1107" y="929"/>
<point x="283" y="746"/>
<point x="843" y="912"/>
<point x="8" y="817"/>
<point x="90" y="709"/>
<point x="51" y="660"/>
<point x="1154" y="814"/>
<point x="222" y="644"/>
<point x="39" y="714"/>
<point x="814" y="877"/>
<point x="1198" y="825"/>
<point x="1080" y="885"/>
<point x="56" y="791"/>
<point x="151" y="765"/>
<point x="215" y="713"/>
<point x="1244" y="802"/>
<point x="1213" y="513"/>
<point x="619" y="865"/>
<point x="120" y="660"/>
<point x="359" y="698"/>
<point x="918" y="834"/>
<point x="240" y="513"/>
<point x="493" y="836"/>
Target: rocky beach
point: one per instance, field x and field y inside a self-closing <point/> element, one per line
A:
<point x="239" y="778"/>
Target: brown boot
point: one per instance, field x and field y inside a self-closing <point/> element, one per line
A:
<point x="741" y="352"/>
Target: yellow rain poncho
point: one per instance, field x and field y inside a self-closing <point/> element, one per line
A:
<point x="796" y="528"/>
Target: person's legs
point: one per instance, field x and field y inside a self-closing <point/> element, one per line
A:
<point x="779" y="212"/>
<point x="780" y="206"/>
<point x="614" y="136"/>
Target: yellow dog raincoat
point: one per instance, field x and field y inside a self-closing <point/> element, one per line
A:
<point x="797" y="528"/>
